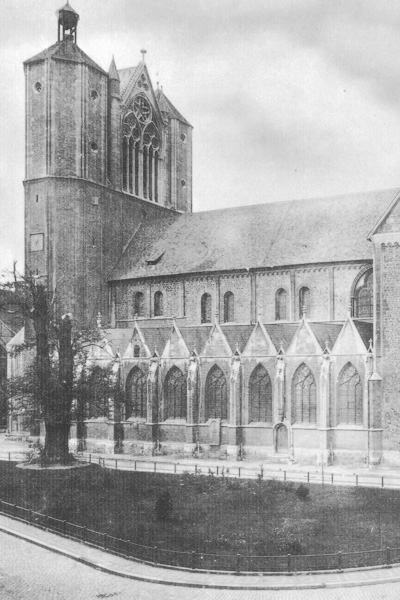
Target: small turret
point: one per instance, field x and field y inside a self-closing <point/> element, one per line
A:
<point x="67" y="23"/>
<point x="114" y="79"/>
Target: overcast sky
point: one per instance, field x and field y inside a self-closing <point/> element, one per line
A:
<point x="288" y="98"/>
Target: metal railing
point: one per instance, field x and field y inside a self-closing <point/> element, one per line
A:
<point x="227" y="563"/>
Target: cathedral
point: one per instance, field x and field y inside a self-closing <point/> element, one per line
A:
<point x="268" y="331"/>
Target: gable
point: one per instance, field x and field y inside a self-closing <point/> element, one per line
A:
<point x="175" y="346"/>
<point x="217" y="344"/>
<point x="139" y="83"/>
<point x="349" y="340"/>
<point x="259" y="343"/>
<point x="137" y="341"/>
<point x="304" y="342"/>
<point x="390" y="220"/>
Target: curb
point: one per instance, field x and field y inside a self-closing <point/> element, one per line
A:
<point x="160" y="580"/>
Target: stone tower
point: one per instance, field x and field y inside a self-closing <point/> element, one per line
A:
<point x="104" y="154"/>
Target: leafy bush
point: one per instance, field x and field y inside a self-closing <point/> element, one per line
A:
<point x="303" y="492"/>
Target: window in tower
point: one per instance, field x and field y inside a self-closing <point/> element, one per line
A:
<point x="145" y="172"/>
<point x="183" y="183"/>
<point x="156" y="177"/>
<point x="131" y="133"/>
<point x="130" y="165"/>
<point x="158" y="304"/>
<point x="37" y="242"/>
<point x="304" y="302"/>
<point x="139" y="304"/>
<point x="229" y="307"/>
<point x="94" y="147"/>
<point x="206" y="308"/>
<point x="363" y="296"/>
<point x="94" y="95"/>
<point x="38" y="87"/>
<point x="281" y="305"/>
<point x="151" y="173"/>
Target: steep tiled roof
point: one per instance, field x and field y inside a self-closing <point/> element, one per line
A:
<point x="281" y="332"/>
<point x="156" y="337"/>
<point x="127" y="75"/>
<point x="196" y="337"/>
<point x="237" y="334"/>
<point x="326" y="332"/>
<point x="366" y="331"/>
<point x="66" y="50"/>
<point x="277" y="234"/>
<point x="167" y="107"/>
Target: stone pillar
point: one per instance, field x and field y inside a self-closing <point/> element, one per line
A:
<point x="152" y="400"/>
<point x="324" y="455"/>
<point x="374" y="419"/>
<point x="235" y="408"/>
<point x="279" y="395"/>
<point x="192" y="405"/>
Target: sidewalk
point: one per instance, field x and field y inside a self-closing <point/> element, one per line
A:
<point x="122" y="567"/>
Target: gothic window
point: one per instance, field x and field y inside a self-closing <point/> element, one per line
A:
<point x="363" y="297"/>
<point x="206" y="308"/>
<point x="151" y="142"/>
<point x="139" y="304"/>
<point x="158" y="304"/>
<point x="304" y="302"/>
<point x="304" y="396"/>
<point x="145" y="171"/>
<point x="156" y="177"/>
<point x="216" y="395"/>
<point x="260" y="396"/>
<point x="281" y="305"/>
<point x="136" y="394"/>
<point x="131" y="132"/>
<point x="229" y="307"/>
<point x="96" y="400"/>
<point x="350" y="396"/>
<point x="175" y="394"/>
<point x="136" y="351"/>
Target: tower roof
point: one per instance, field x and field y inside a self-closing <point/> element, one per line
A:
<point x="112" y="71"/>
<point x="68" y="8"/>
<point x="65" y="50"/>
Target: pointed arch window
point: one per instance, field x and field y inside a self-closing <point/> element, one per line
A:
<point x="363" y="296"/>
<point x="281" y="305"/>
<point x="229" y="307"/>
<point x="158" y="304"/>
<point x="136" y="394"/>
<point x="216" y="395"/>
<point x="304" y="396"/>
<point x="131" y="136"/>
<point x="304" y="302"/>
<point x="260" y="396"/>
<point x="206" y="308"/>
<point x="175" y="394"/>
<point x="350" y="396"/>
<point x="139" y="304"/>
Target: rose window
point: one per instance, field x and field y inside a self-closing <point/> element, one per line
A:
<point x="141" y="108"/>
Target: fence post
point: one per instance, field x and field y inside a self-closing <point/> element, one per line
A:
<point x="289" y="563"/>
<point x="339" y="561"/>
<point x="90" y="458"/>
<point x="116" y="463"/>
<point x="284" y="475"/>
<point x="262" y="472"/>
<point x="104" y="462"/>
<point x="217" y="470"/>
<point x="105" y="541"/>
<point x="99" y="460"/>
<point x="193" y="559"/>
<point x="383" y="484"/>
<point x="308" y="476"/>
<point x="332" y="478"/>
<point x="195" y="469"/>
<point x="155" y="466"/>
<point x="356" y="479"/>
<point x="30" y="516"/>
<point x="155" y="557"/>
<point x="9" y="456"/>
<point x="238" y="563"/>
<point x="239" y="472"/>
<point x="387" y="555"/>
<point x="135" y="465"/>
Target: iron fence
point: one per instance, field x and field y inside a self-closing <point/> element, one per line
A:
<point x="191" y="560"/>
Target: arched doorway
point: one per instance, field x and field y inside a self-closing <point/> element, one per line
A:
<point x="281" y="439"/>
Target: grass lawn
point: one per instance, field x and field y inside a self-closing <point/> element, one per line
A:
<point x="211" y="515"/>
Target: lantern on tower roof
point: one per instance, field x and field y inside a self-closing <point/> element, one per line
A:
<point x="67" y="23"/>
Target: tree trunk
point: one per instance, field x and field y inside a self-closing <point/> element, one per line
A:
<point x="56" y="444"/>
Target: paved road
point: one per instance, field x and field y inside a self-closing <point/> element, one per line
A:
<point x="31" y="573"/>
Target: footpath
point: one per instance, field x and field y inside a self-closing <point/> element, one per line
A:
<point x="123" y="567"/>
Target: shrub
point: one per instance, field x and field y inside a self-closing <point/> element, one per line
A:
<point x="303" y="492"/>
<point x="164" y="507"/>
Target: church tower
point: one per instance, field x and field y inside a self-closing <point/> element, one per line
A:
<point x="104" y="156"/>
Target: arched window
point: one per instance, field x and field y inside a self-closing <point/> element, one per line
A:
<point x="260" y="396"/>
<point x="363" y="297"/>
<point x="216" y="395"/>
<point x="156" y="177"/>
<point x="136" y="351"/>
<point x="206" y="308"/>
<point x="136" y="394"/>
<point x="97" y="392"/>
<point x="229" y="307"/>
<point x="158" y="304"/>
<point x="139" y="304"/>
<point x="350" y="396"/>
<point x="281" y="305"/>
<point x="304" y="302"/>
<point x="304" y="396"/>
<point x="131" y="133"/>
<point x="175" y="394"/>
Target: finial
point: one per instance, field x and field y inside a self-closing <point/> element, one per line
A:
<point x="143" y="52"/>
<point x="370" y="347"/>
<point x="326" y="351"/>
<point x="216" y="316"/>
<point x="281" y="348"/>
<point x="99" y="320"/>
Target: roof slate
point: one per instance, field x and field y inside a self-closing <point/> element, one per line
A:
<point x="65" y="50"/>
<point x="270" y="235"/>
<point x="326" y="332"/>
<point x="166" y="106"/>
<point x="127" y="75"/>
<point x="366" y="331"/>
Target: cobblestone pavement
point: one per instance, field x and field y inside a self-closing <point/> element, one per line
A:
<point x="31" y="573"/>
